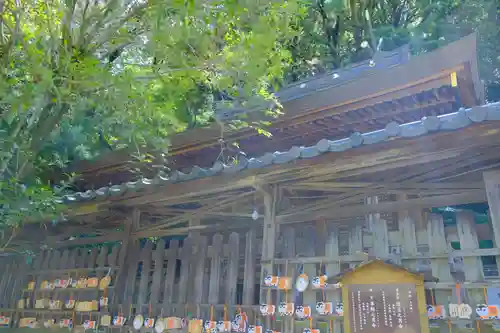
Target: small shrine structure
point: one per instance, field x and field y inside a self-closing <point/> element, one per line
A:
<point x="380" y="296"/>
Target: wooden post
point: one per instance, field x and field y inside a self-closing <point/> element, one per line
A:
<point x="290" y="252"/>
<point x="466" y="230"/>
<point x="379" y="231"/>
<point x="199" y="269"/>
<point x="268" y="242"/>
<point x="332" y="269"/>
<point x="215" y="270"/>
<point x="249" y="273"/>
<point x="438" y="246"/>
<point x="233" y="266"/>
<point x="124" y="254"/>
<point x="409" y="234"/>
<point x="492" y="185"/>
<point x="355" y="241"/>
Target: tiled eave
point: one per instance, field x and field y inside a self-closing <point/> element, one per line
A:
<point x="427" y="125"/>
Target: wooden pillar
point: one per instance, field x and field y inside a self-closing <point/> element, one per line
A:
<point x="355" y="241"/>
<point x="215" y="267"/>
<point x="438" y="245"/>
<point x="249" y="273"/>
<point x="289" y="252"/>
<point x="407" y="227"/>
<point x="332" y="269"/>
<point x="378" y="227"/>
<point x="492" y="185"/>
<point x="268" y="241"/>
<point x="124" y="256"/>
<point x="466" y="229"/>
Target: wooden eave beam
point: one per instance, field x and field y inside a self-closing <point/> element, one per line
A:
<point x="364" y="160"/>
<point x="476" y="196"/>
<point x="340" y="186"/>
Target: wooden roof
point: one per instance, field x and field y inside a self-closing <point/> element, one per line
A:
<point x="403" y="90"/>
<point x="435" y="161"/>
<point x="425" y="276"/>
<point x="430" y="169"/>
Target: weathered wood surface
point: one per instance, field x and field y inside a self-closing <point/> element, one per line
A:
<point x="190" y="275"/>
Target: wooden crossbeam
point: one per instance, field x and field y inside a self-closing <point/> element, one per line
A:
<point x="186" y="217"/>
<point x="342" y="186"/>
<point x="474" y="196"/>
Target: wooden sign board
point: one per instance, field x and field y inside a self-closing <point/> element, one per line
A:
<point x="383" y="308"/>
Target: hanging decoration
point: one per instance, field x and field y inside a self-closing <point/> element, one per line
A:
<point x="195" y="326"/>
<point x="224" y="325"/>
<point x="29" y="322"/>
<point x="66" y="323"/>
<point x="172" y="323"/>
<point x="302" y="282"/>
<point x="149" y="322"/>
<point x="271" y="281"/>
<point x="319" y="282"/>
<point x="55" y="304"/>
<point x="49" y="323"/>
<point x="31" y="285"/>
<point x="92" y="283"/>
<point x="70" y="303"/>
<point x="90" y="324"/>
<point x="4" y="321"/>
<point x="487" y="312"/>
<point x="339" y="309"/>
<point x="103" y="301"/>
<point x="160" y="323"/>
<point x="284" y="283"/>
<point x="436" y="312"/>
<point x="62" y="283"/>
<point x="81" y="283"/>
<point x="303" y="312"/>
<point x="138" y="322"/>
<point x="267" y="309"/>
<point x="255" y="329"/>
<point x="324" y="308"/>
<point x="159" y="326"/>
<point x="119" y="320"/>
<point x="105" y="321"/>
<point x="211" y="325"/>
<point x="286" y="308"/>
<point x="105" y="282"/>
<point x="255" y="214"/>
<point x="460" y="311"/>
<point x="240" y="322"/>
<point x="47" y="285"/>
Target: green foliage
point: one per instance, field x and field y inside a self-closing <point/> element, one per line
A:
<point x="79" y="77"/>
<point x="336" y="32"/>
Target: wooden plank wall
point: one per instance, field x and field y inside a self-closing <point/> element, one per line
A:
<point x="201" y="274"/>
<point x="190" y="276"/>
